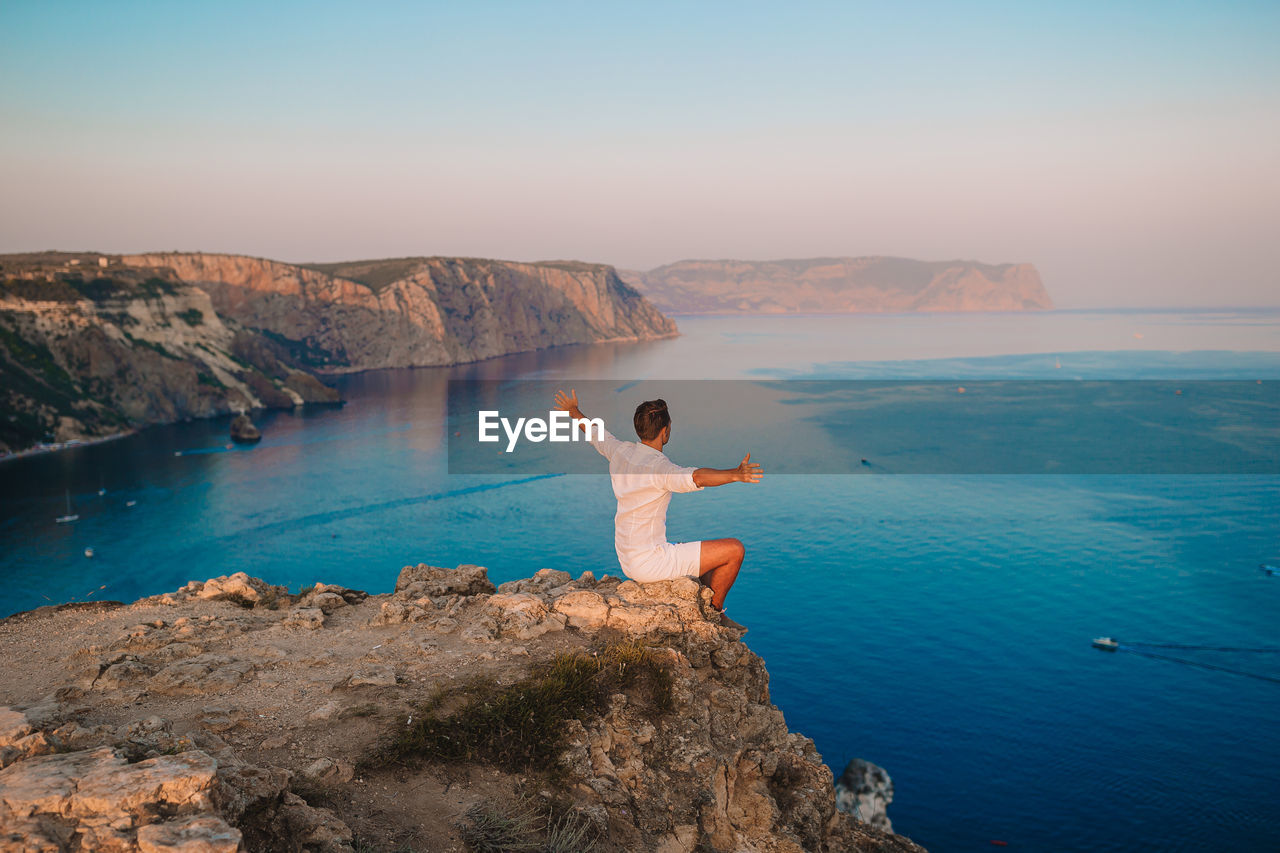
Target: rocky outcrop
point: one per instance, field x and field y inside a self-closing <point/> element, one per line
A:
<point x="840" y="285"/>
<point x="84" y="355"/>
<point x="231" y="714"/>
<point x="865" y="790"/>
<point x="411" y="312"/>
<point x="243" y="430"/>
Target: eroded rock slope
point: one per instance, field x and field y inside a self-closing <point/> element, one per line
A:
<point x="230" y="715"/>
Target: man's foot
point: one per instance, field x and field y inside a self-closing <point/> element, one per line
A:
<point x="726" y="622"/>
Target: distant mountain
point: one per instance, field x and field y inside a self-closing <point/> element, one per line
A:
<point x="840" y="285"/>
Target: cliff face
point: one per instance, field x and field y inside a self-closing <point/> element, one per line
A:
<point x="418" y="311"/>
<point x="841" y="285"/>
<point x="87" y="351"/>
<point x="238" y="716"/>
<point x="87" y="355"/>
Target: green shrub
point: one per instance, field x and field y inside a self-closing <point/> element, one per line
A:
<point x="151" y="345"/>
<point x="41" y="290"/>
<point x="100" y="289"/>
<point x="154" y="286"/>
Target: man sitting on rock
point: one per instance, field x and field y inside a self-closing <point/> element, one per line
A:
<point x="643" y="480"/>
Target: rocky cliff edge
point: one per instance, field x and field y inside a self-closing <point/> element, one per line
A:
<point x="416" y="312"/>
<point x="232" y="715"/>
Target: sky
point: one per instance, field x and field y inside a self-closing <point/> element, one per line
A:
<point x="1131" y="151"/>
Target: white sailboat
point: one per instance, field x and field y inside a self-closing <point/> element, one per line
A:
<point x="70" y="516"/>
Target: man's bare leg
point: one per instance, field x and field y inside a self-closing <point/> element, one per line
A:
<point x="719" y="565"/>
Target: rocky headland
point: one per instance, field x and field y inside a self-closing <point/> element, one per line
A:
<point x="232" y="715"/>
<point x="88" y="351"/>
<point x="92" y="345"/>
<point x="840" y="285"/>
<point x="417" y="312"/>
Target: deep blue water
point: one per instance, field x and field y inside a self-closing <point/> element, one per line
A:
<point x="936" y="625"/>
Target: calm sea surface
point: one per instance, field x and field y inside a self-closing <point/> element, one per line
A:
<point x="936" y="625"/>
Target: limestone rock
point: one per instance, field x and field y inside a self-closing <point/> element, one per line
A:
<point x="220" y="718"/>
<point x="311" y="828"/>
<point x="310" y="618"/>
<point x="543" y="581"/>
<point x="328" y="602"/>
<point x="243" y="430"/>
<point x="583" y="609"/>
<point x="423" y="580"/>
<point x="207" y="673"/>
<point x="20" y="736"/>
<point x="190" y="834"/>
<point x="123" y="674"/>
<point x="241" y="589"/>
<point x="523" y="616"/>
<point x="865" y="790"/>
<point x="396" y="612"/>
<point x="350" y="596"/>
<point x="100" y="787"/>
<point x="248" y="789"/>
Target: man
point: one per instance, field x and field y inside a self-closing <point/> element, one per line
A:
<point x="643" y="480"/>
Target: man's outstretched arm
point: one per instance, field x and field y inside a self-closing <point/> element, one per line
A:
<point x="746" y="472"/>
<point x="605" y="443"/>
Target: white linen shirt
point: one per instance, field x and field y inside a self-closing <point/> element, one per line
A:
<point x="643" y="480"/>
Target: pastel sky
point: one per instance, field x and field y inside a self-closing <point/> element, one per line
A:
<point x="1130" y="150"/>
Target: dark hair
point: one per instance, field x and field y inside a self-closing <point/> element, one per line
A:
<point x="651" y="418"/>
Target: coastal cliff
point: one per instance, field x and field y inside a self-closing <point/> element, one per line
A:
<point x="840" y="285"/>
<point x="86" y="353"/>
<point x="414" y="312"/>
<point x="92" y="346"/>
<point x="550" y="713"/>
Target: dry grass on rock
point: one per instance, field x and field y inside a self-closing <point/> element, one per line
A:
<point x="521" y="726"/>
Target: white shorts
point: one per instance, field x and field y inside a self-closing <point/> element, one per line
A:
<point x="679" y="560"/>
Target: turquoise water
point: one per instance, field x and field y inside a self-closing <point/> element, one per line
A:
<point x="936" y="625"/>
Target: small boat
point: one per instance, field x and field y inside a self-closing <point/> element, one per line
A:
<point x="70" y="516"/>
<point x="88" y="552"/>
<point x="130" y="503"/>
<point x="1269" y="570"/>
<point x="1106" y="644"/>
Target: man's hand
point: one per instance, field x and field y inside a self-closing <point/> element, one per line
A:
<point x="568" y="403"/>
<point x="748" y="471"/>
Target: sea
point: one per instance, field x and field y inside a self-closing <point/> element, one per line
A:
<point x="938" y="624"/>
